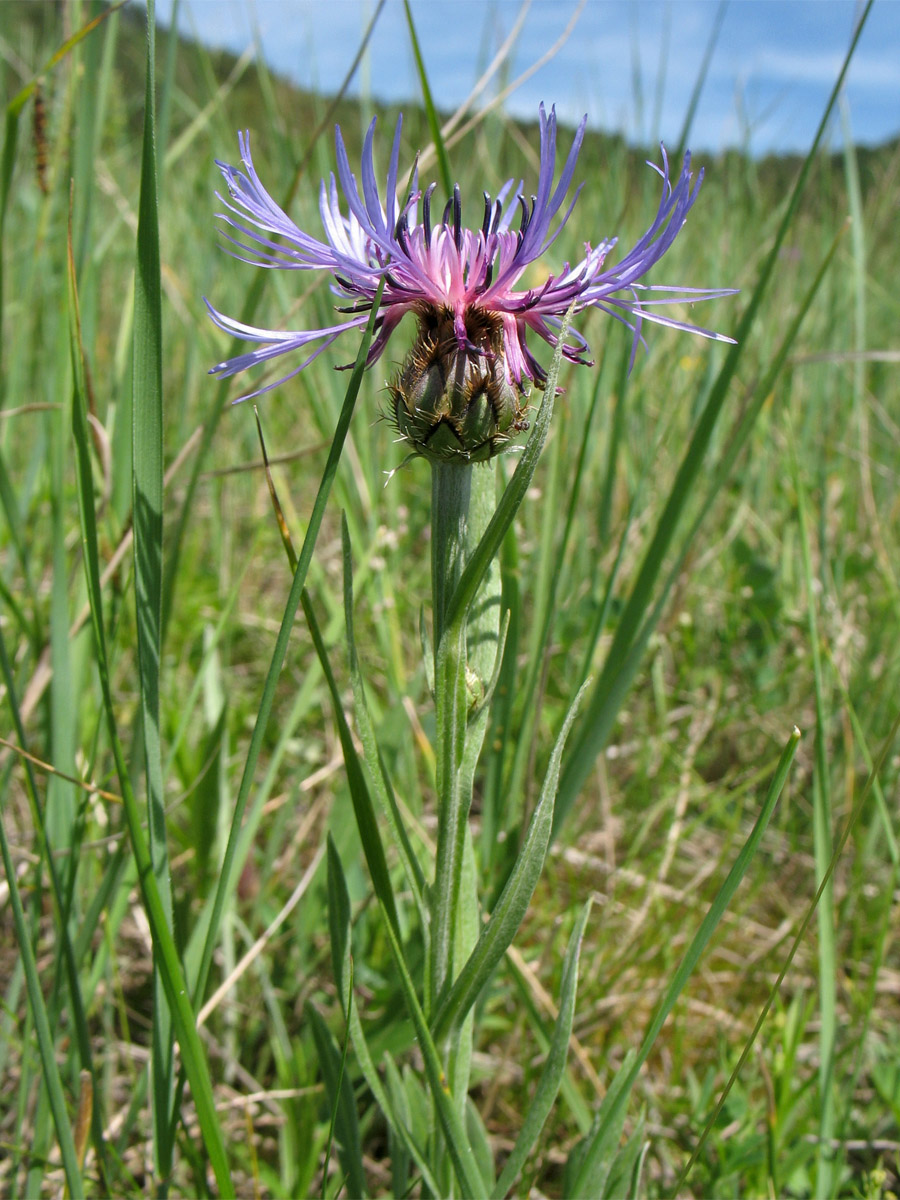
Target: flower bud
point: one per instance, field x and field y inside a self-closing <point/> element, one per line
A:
<point x="453" y="401"/>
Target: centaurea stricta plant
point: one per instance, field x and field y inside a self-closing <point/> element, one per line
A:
<point x="464" y="394"/>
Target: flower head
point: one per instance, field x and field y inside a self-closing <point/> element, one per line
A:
<point x="462" y="392"/>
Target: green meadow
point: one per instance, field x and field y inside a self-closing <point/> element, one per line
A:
<point x="220" y="768"/>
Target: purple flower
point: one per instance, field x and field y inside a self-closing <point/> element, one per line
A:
<point x="462" y="390"/>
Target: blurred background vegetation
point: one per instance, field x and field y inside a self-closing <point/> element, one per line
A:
<point x="748" y="645"/>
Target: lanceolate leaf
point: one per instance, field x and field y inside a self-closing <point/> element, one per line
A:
<point x="510" y="909"/>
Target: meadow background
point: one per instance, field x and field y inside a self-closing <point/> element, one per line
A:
<point x="777" y="594"/>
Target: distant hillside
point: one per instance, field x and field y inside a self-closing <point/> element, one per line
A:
<point x="35" y="31"/>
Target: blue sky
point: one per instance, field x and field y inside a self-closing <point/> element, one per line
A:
<point x="630" y="66"/>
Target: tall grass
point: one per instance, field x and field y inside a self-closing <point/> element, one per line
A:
<point x="218" y="827"/>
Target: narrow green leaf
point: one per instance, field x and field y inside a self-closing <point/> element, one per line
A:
<point x="21" y="98"/>
<point x="7" y="164"/>
<point x="401" y="1184"/>
<point x="549" y="559"/>
<point x="363" y="808"/>
<point x="497" y="935"/>
<point x="147" y="465"/>
<point x="491" y="685"/>
<point x="71" y="954"/>
<point x="383" y="789"/>
<point x="344" y="1120"/>
<point x="13" y="110"/>
<point x="480" y="1143"/>
<point x="339" y="927"/>
<point x="170" y="968"/>
<point x="471" y="1183"/>
<point x="622" y="1181"/>
<point x="390" y="1101"/>
<point x="823" y="849"/>
<point x="339" y="924"/>
<point x="430" y="111"/>
<point x="554" y="1066"/>
<point x="225" y="883"/>
<point x="606" y="706"/>
<point x="147" y="503"/>
<point x="498" y="736"/>
<point x="884" y="814"/>
<point x="217" y="403"/>
<point x="605" y="713"/>
<point x="699" y="80"/>
<point x="609" y="1122"/>
<point x="51" y="1076"/>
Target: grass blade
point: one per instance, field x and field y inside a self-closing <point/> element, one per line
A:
<point x="471" y="1182"/>
<point x="13" y="112"/>
<point x="339" y="923"/>
<point x="824" y="849"/>
<point x="339" y="926"/>
<point x="871" y="781"/>
<point x="223" y="887"/>
<point x="434" y="123"/>
<point x="363" y="808"/>
<point x="254" y="294"/>
<point x="51" y="1076"/>
<point x="555" y="1065"/>
<point x="690" y="111"/>
<point x="170" y="968"/>
<point x="606" y="715"/>
<point x="385" y="793"/>
<point x="70" y="953"/>
<point x="147" y="502"/>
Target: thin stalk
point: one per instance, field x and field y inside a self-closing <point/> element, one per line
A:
<point x="463" y="499"/>
<point x="482" y="645"/>
<point x="451" y="494"/>
<point x="823" y="844"/>
<point x="451" y="488"/>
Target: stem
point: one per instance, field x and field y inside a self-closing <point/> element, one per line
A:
<point x="463" y="500"/>
<point x="450" y="494"/>
<point x="451" y="488"/>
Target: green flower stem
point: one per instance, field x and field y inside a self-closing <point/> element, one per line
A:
<point x="463" y="499"/>
<point x="451" y="489"/>
<point x="482" y="632"/>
